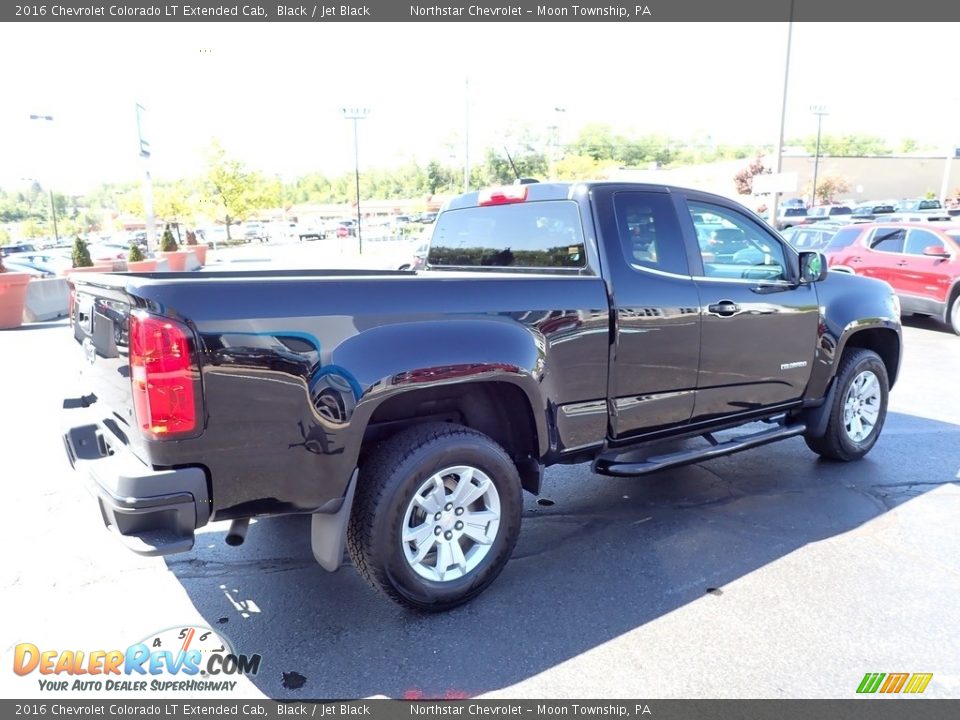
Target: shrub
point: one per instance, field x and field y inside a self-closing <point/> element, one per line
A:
<point x="167" y="243"/>
<point x="191" y="237"/>
<point x="135" y="254"/>
<point x="2" y="268"/>
<point x="81" y="254"/>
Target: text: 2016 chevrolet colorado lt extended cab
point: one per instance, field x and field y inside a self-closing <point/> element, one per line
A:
<point x="555" y="323"/>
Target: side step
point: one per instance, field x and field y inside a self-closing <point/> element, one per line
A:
<point x="613" y="465"/>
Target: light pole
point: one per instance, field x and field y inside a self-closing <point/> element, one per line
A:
<point x="819" y="111"/>
<point x="778" y="150"/>
<point x="53" y="207"/>
<point x="466" y="136"/>
<point x="555" y="140"/>
<point x="355" y="114"/>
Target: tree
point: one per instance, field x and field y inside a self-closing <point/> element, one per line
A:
<point x="167" y="243"/>
<point x="828" y="187"/>
<point x="744" y="178"/>
<point x="81" y="254"/>
<point x="135" y="254"/>
<point x="845" y="145"/>
<point x="231" y="191"/>
<point x="172" y="203"/>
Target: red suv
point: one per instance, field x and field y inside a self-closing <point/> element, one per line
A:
<point x="921" y="261"/>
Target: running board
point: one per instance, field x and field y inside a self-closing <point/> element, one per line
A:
<point x="610" y="465"/>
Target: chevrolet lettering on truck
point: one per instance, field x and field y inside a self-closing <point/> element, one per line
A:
<point x="406" y="412"/>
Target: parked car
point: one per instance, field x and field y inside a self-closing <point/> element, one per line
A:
<point x="810" y="237"/>
<point x="25" y="266"/>
<point x="822" y="212"/>
<point x="255" y="230"/>
<point x="921" y="261"/>
<point x="416" y="259"/>
<point x="788" y="217"/>
<point x="870" y="211"/>
<point x="406" y="413"/>
<point x="47" y="262"/>
<point x="17" y="248"/>
<point x="919" y="216"/>
<point x="917" y="204"/>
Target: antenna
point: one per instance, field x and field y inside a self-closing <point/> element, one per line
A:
<point x="515" y="171"/>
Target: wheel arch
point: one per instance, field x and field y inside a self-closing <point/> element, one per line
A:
<point x="500" y="409"/>
<point x="884" y="341"/>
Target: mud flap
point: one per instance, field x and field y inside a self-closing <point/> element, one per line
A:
<point x="328" y="531"/>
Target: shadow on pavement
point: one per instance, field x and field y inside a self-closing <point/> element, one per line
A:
<point x="609" y="555"/>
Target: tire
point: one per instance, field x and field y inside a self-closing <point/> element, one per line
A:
<point x="395" y="484"/>
<point x="846" y="441"/>
<point x="954" y="318"/>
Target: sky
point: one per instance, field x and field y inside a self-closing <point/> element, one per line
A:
<point x="272" y="93"/>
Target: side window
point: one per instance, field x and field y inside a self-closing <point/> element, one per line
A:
<point x="544" y="234"/>
<point x="920" y="240"/>
<point x="650" y="232"/>
<point x="735" y="247"/>
<point x="888" y="240"/>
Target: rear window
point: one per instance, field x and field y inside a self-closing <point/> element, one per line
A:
<point x="843" y="238"/>
<point x="841" y="210"/>
<point x="523" y="235"/>
<point x="795" y="212"/>
<point x="929" y="205"/>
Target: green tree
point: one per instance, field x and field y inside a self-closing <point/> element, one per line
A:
<point x="135" y="254"/>
<point x="81" y="254"/>
<point x="232" y="192"/>
<point x="167" y="242"/>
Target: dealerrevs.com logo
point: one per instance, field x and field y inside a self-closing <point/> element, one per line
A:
<point x="181" y="659"/>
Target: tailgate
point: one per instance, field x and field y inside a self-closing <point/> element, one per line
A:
<point x="100" y="327"/>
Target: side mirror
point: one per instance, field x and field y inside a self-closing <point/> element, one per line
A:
<point x="938" y="251"/>
<point x="813" y="267"/>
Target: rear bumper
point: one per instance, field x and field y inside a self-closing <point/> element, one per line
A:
<point x="153" y="512"/>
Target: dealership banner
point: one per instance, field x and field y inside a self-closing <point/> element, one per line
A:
<point x="484" y="11"/>
<point x="379" y="709"/>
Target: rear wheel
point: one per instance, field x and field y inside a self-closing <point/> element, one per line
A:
<point x="858" y="410"/>
<point x="436" y="516"/>
<point x="955" y="315"/>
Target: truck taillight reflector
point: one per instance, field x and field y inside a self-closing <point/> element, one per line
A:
<point x="162" y="377"/>
<point x="502" y="195"/>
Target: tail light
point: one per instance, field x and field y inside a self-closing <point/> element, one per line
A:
<point x="162" y="376"/>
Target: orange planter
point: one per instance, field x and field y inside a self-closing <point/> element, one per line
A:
<point x="13" y="291"/>
<point x="94" y="268"/>
<point x="177" y="259"/>
<point x="142" y="266"/>
<point x="200" y="251"/>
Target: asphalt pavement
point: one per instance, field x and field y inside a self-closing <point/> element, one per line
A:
<point x="765" y="574"/>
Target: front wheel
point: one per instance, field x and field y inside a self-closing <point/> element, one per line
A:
<point x="436" y="516"/>
<point x="858" y="410"/>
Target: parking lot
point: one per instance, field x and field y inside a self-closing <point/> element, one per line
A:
<point x="764" y="574"/>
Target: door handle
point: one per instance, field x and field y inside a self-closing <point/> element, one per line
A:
<point x="724" y="308"/>
<point x="855" y="259"/>
<point x="901" y="263"/>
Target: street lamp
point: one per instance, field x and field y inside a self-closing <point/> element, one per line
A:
<point x="819" y="111"/>
<point x="555" y="137"/>
<point x="53" y="208"/>
<point x="355" y="114"/>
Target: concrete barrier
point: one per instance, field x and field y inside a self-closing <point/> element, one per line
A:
<point x="46" y="299"/>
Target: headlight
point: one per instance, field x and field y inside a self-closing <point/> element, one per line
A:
<point x="895" y="303"/>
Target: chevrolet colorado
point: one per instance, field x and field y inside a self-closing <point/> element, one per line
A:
<point x="406" y="412"/>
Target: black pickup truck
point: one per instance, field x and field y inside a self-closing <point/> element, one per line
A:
<point x="406" y="412"/>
